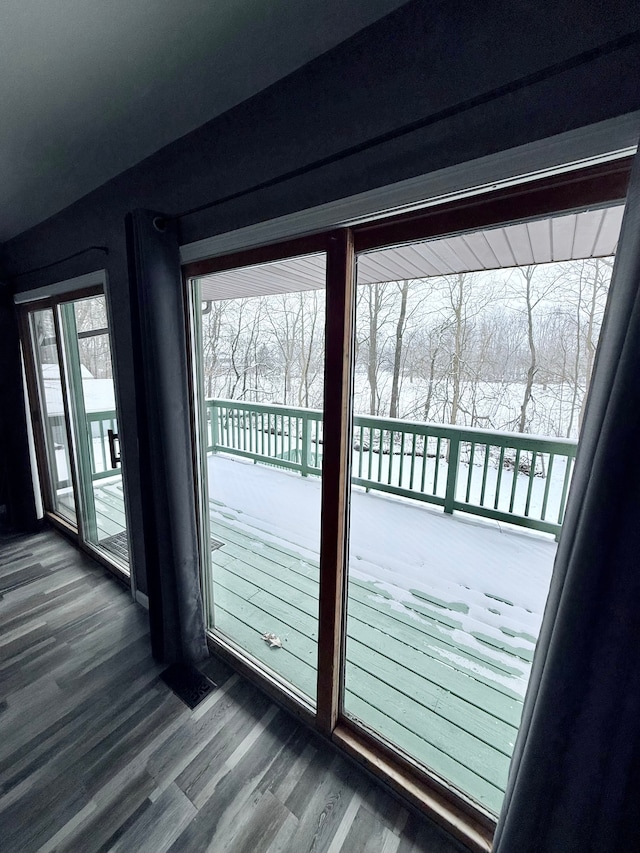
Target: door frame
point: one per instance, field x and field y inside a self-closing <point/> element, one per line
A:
<point x="52" y="296"/>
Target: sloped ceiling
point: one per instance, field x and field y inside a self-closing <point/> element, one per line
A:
<point x="89" y="88"/>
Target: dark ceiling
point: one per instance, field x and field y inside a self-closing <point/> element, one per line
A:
<point x="88" y="88"/>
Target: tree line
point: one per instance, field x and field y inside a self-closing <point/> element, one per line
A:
<point x="502" y="350"/>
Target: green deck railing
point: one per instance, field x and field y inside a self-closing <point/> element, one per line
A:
<point x="512" y="477"/>
<point x="98" y="424"/>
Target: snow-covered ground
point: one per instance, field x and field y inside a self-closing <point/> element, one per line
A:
<point x="491" y="579"/>
<point x="98" y="393"/>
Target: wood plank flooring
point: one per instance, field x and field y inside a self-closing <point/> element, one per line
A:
<point x="97" y="754"/>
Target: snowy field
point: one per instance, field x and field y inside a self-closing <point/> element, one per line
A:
<point x="491" y="578"/>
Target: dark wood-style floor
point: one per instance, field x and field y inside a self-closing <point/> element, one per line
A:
<point x="97" y="754"/>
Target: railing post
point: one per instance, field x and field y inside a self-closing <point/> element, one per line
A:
<point x="306" y="443"/>
<point x="213" y="414"/>
<point x="452" y="473"/>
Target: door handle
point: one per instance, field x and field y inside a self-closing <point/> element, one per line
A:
<point x="113" y="437"/>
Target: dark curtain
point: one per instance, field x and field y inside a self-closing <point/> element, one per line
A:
<point x="574" y="781"/>
<point x="164" y="441"/>
<point x="16" y="484"/>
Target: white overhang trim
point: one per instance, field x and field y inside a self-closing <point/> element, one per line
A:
<point x="607" y="140"/>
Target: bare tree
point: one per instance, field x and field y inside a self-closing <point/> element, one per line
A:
<point x="533" y="296"/>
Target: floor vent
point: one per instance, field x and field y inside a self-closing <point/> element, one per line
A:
<point x="118" y="545"/>
<point x="188" y="683"/>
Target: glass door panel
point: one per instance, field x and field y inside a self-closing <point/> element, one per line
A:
<point x="259" y="340"/>
<point x="469" y="390"/>
<point x="61" y="499"/>
<point x="92" y="406"/>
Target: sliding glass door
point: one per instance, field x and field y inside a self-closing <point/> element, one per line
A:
<point x="383" y="544"/>
<point x="56" y="462"/>
<point x="72" y="380"/>
<point x="94" y="419"/>
<point x="259" y="360"/>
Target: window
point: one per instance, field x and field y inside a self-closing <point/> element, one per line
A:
<point x="402" y="522"/>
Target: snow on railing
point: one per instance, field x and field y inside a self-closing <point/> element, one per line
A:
<point x="512" y="477"/>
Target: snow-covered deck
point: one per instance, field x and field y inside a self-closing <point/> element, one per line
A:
<point x="443" y="613"/>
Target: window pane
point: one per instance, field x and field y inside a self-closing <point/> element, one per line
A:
<point x="260" y="366"/>
<point x="471" y="375"/>
<point x="95" y="424"/>
<point x="43" y="338"/>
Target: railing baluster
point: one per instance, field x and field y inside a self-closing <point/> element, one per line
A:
<point x="565" y="488"/>
<point x="380" y="449"/>
<point x="306" y="438"/>
<point x="413" y="460"/>
<point x="514" y="481"/>
<point x="470" y="471"/>
<point x="92" y="453"/>
<point x="452" y="473"/>
<point x="436" y="467"/>
<point x="499" y="478"/>
<point x="102" y="446"/>
<point x="532" y="473"/>
<point x="370" y="468"/>
<point x="485" y="470"/>
<point x="401" y="459"/>
<point x="389" y="472"/>
<point x="547" y="485"/>
<point x="425" y="459"/>
<point x="214" y="415"/>
<point x="360" y="442"/>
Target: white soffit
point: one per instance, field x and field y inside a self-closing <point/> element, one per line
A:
<point x="590" y="234"/>
<point x="574" y="236"/>
<point x="292" y="275"/>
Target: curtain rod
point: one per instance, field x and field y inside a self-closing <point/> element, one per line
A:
<point x="61" y="261"/>
<point x="576" y="61"/>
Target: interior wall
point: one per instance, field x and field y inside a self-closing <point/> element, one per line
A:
<point x="473" y="79"/>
